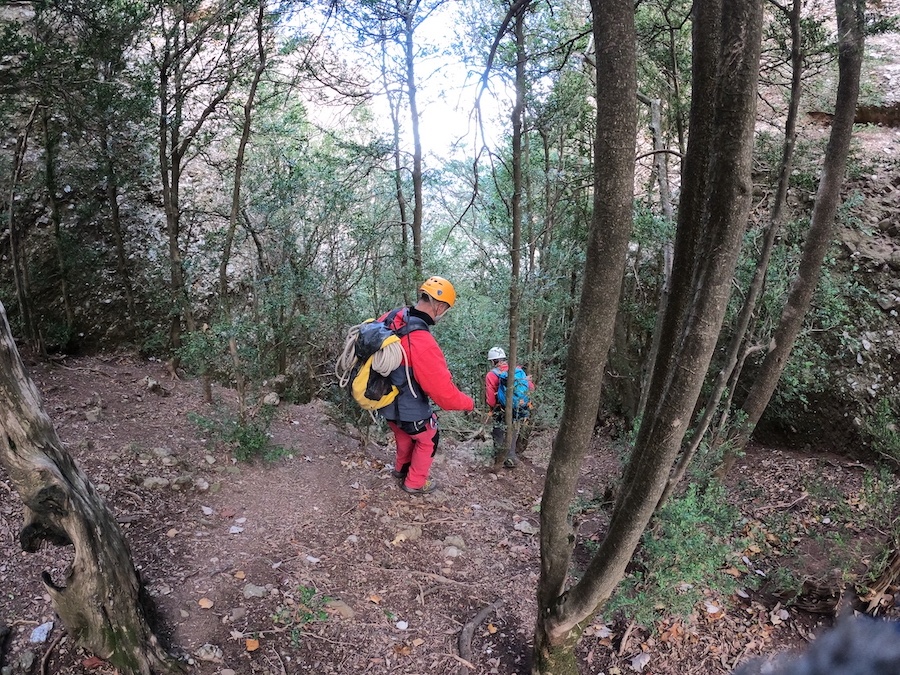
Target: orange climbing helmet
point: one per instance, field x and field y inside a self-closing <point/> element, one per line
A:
<point x="439" y="289"/>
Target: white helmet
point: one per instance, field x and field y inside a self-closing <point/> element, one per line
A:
<point x="495" y="353"/>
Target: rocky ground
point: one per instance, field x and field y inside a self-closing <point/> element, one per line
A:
<point x="316" y="562"/>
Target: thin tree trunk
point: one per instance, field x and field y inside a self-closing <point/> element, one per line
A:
<point x="665" y="201"/>
<point x="102" y="601"/>
<point x="18" y="253"/>
<point x="851" y="24"/>
<point x="417" y="141"/>
<point x="51" y="143"/>
<point x="112" y="196"/>
<point x="559" y="624"/>
<point x="518" y="115"/>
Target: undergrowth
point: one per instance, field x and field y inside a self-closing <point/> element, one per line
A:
<point x="246" y="438"/>
<point x="682" y="558"/>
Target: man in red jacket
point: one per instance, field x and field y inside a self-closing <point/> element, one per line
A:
<point x="422" y="375"/>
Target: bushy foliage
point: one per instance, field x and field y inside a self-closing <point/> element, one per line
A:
<point x="246" y="438"/>
<point x="681" y="558"/>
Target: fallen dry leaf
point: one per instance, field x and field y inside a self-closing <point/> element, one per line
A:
<point x="205" y="603"/>
<point x="240" y="574"/>
<point x="374" y="598"/>
<point x="92" y="662"/>
<point x="252" y="644"/>
<point x="491" y="628"/>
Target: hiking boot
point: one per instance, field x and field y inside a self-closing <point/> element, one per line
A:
<point x="429" y="487"/>
<point x="401" y="474"/>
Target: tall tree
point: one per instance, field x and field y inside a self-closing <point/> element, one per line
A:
<point x="561" y="611"/>
<point x="728" y="35"/>
<point x="102" y="601"/>
<point x="392" y="24"/>
<point x="851" y="31"/>
<point x="197" y="60"/>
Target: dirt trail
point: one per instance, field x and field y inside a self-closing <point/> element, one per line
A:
<point x="317" y="562"/>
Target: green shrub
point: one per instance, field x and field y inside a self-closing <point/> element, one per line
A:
<point x="681" y="558"/>
<point x="246" y="438"/>
<point x="881" y="430"/>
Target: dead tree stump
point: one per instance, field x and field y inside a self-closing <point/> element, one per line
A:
<point x="101" y="601"/>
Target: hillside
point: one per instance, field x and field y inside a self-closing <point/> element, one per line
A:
<point x="319" y="557"/>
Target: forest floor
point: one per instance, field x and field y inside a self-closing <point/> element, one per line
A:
<point x="316" y="561"/>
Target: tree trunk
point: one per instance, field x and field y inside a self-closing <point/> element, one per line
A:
<point x="733" y="352"/>
<point x="558" y="627"/>
<point x="709" y="252"/>
<point x="851" y="29"/>
<point x="51" y="143"/>
<point x="17" y="244"/>
<point x="518" y="115"/>
<point x="112" y="196"/>
<point x="417" y="140"/>
<point x="102" y="601"/>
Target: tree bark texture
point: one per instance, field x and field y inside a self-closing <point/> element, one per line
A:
<point x="851" y="29"/>
<point x="558" y="630"/>
<point x="706" y="43"/>
<point x="102" y="601"/>
<point x="710" y="249"/>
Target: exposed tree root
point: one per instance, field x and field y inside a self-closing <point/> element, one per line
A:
<point x="465" y="635"/>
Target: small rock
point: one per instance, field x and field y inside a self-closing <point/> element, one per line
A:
<point x="201" y="484"/>
<point x="238" y="613"/>
<point x="341" y="608"/>
<point x="210" y="459"/>
<point x="210" y="653"/>
<point x="41" y="633"/>
<point x="227" y="671"/>
<point x="26" y="661"/>
<point x="451" y="552"/>
<point x="162" y="452"/>
<point x="271" y="399"/>
<point x="155" y="482"/>
<point x="526" y="527"/>
<point x="456" y="541"/>
<point x="252" y="591"/>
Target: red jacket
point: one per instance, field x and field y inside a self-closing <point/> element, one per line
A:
<point x="429" y="367"/>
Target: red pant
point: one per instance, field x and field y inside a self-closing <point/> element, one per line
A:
<point x="415" y="452"/>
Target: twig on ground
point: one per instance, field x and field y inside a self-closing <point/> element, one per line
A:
<point x="46" y="658"/>
<point x="625" y="638"/>
<point x="465" y="664"/>
<point x="280" y="662"/>
<point x="429" y="575"/>
<point x="783" y="505"/>
<point x="465" y="636"/>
